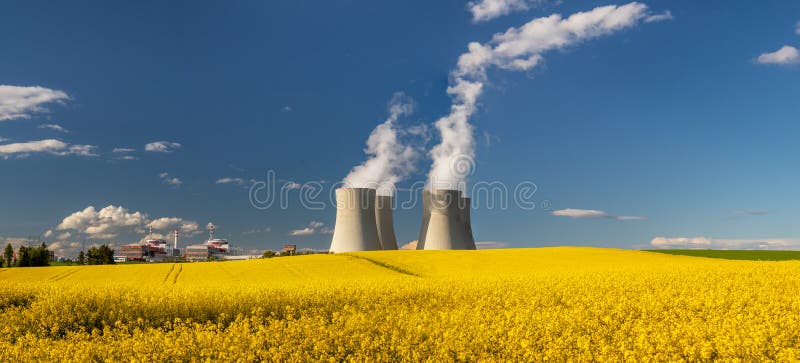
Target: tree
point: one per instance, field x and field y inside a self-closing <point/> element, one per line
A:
<point x="102" y="255"/>
<point x="9" y="255"/>
<point x="23" y="257"/>
<point x="81" y="259"/>
<point x="268" y="254"/>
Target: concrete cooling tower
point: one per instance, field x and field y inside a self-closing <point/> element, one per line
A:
<point x="383" y="218"/>
<point x="356" y="229"/>
<point x="469" y="241"/>
<point x="445" y="221"/>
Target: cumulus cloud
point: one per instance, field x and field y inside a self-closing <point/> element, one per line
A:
<point x="162" y="146"/>
<point x="170" y="223"/>
<point x="786" y="55"/>
<point x="22" y="102"/>
<point x="113" y="221"/>
<point x="592" y="214"/>
<point x="48" y="146"/>
<point x="54" y="127"/>
<point x="314" y="227"/>
<point x="410" y="245"/>
<point x="167" y="179"/>
<point x="485" y="10"/>
<point x="105" y="223"/>
<point x="390" y="161"/>
<point x="725" y="244"/>
<point x="520" y="49"/>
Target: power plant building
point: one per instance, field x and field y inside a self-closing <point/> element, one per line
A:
<point x="214" y="249"/>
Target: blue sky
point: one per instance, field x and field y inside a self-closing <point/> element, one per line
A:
<point x="689" y="121"/>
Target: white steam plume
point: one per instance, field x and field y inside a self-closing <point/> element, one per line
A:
<point x="389" y="160"/>
<point x="516" y="49"/>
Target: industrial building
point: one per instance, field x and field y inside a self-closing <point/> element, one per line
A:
<point x="156" y="250"/>
<point x="213" y="249"/>
<point x="151" y="250"/>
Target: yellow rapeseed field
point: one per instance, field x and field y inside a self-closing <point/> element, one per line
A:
<point x="556" y="304"/>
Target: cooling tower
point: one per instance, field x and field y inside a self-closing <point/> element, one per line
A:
<point x="355" y="228"/>
<point x="444" y="224"/>
<point x="469" y="241"/>
<point x="383" y="218"/>
<point x="426" y="217"/>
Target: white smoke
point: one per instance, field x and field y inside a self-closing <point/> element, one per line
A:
<point x="516" y="49"/>
<point x="389" y="160"/>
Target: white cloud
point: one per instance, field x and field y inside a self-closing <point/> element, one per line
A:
<point x="230" y="181"/>
<point x="786" y="55"/>
<point x="170" y="223"/>
<point x="22" y="102"/>
<point x="54" y="127"/>
<point x="47" y="234"/>
<point x="726" y="244"/>
<point x="592" y="214"/>
<point x="667" y="15"/>
<point x="257" y="231"/>
<point x="629" y="218"/>
<point x="162" y="146"/>
<point x="122" y="150"/>
<point x="580" y="213"/>
<point x="236" y="181"/>
<point x="409" y="246"/>
<point x="170" y="180"/>
<point x="106" y="223"/>
<point x="113" y="221"/>
<point x="48" y="146"/>
<point x="314" y="227"/>
<point x="484" y="10"/>
<point x="3" y="139"/>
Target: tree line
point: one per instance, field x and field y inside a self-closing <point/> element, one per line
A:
<point x="27" y="256"/>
